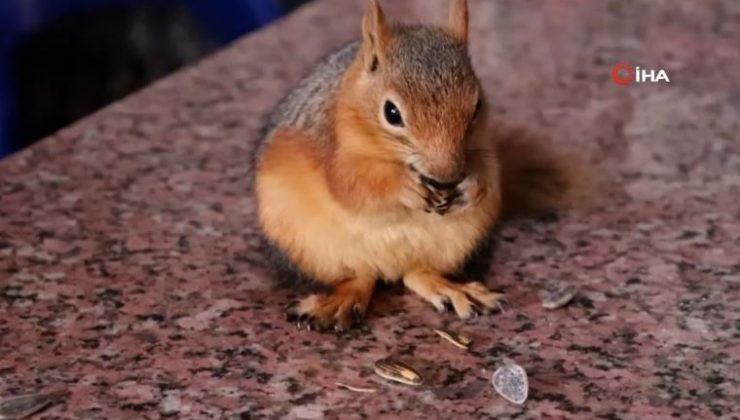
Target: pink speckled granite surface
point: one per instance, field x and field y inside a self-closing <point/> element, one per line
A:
<point x="130" y="273"/>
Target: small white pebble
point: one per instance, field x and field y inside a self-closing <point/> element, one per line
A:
<point x="170" y="405"/>
<point x="510" y="381"/>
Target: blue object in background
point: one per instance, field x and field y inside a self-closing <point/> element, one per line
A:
<point x="224" y="20"/>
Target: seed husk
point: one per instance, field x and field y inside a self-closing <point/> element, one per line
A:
<point x="456" y="339"/>
<point x="356" y="388"/>
<point x="557" y="297"/>
<point x="398" y="371"/>
<point x="511" y="382"/>
<point x="25" y="405"/>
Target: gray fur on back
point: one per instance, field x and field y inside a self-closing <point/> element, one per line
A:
<point x="305" y="107"/>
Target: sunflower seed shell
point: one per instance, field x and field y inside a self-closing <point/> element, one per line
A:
<point x="356" y="388"/>
<point x="25" y="405"/>
<point x="456" y="339"/>
<point x="397" y="371"/>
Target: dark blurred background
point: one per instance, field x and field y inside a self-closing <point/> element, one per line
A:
<point x="63" y="59"/>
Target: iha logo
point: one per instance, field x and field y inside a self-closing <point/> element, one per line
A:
<point x="624" y="74"/>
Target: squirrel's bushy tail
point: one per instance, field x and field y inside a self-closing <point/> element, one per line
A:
<point x="537" y="178"/>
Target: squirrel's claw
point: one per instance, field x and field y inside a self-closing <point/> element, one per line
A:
<point x="447" y="305"/>
<point x="293" y="315"/>
<point x="291" y="312"/>
<point x="305" y="320"/>
<point x="358" y="315"/>
<point x="477" y="308"/>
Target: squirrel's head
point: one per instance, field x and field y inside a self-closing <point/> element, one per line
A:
<point x="416" y="85"/>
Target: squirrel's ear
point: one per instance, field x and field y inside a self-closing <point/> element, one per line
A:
<point x="376" y="35"/>
<point x="458" y="20"/>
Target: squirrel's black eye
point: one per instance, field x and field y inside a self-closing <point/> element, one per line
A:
<point x="478" y="107"/>
<point x="392" y="114"/>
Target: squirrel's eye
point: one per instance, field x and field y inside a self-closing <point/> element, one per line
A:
<point x="478" y="107"/>
<point x="392" y="114"/>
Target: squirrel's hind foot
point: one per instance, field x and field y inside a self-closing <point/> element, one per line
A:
<point x="467" y="299"/>
<point x="339" y="311"/>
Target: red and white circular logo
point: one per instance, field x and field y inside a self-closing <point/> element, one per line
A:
<point x="623" y="74"/>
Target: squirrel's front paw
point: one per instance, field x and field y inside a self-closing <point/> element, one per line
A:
<point x="471" y="192"/>
<point x="468" y="194"/>
<point x="422" y="195"/>
<point x="415" y="195"/>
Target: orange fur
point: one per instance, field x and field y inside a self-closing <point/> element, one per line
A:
<point x="458" y="20"/>
<point x="344" y="199"/>
<point x="331" y="242"/>
<point x="360" y="174"/>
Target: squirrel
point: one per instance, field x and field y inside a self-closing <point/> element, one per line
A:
<point x="380" y="166"/>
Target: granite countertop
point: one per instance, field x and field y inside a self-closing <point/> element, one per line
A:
<point x="131" y="276"/>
